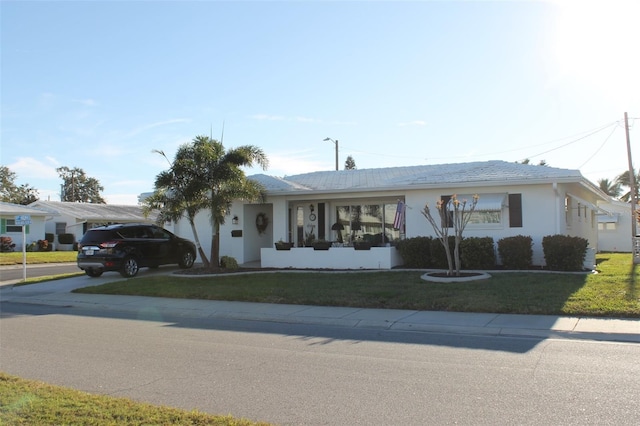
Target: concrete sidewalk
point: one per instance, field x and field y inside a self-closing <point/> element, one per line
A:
<point x="58" y="293"/>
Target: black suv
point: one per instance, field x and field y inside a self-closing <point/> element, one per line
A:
<point x="128" y="247"/>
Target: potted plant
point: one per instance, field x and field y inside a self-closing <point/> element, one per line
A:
<point x="362" y="245"/>
<point x="321" y="245"/>
<point x="310" y="236"/>
<point x="283" y="245"/>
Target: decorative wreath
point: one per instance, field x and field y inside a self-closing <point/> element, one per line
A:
<point x="262" y="221"/>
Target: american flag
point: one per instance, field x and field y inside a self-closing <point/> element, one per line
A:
<point x="398" y="220"/>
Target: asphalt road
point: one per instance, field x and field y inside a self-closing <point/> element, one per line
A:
<point x="15" y="272"/>
<point x="292" y="374"/>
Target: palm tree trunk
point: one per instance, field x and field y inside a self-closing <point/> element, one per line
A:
<point x="215" y="246"/>
<point x="203" y="256"/>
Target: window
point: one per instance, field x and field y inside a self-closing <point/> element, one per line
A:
<point x="607" y="226"/>
<point x="370" y="222"/>
<point x="608" y="222"/>
<point x="12" y="227"/>
<point x="61" y="228"/>
<point x="488" y="210"/>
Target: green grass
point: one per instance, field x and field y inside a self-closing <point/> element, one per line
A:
<point x="613" y="292"/>
<point x="36" y="280"/>
<point x="33" y="257"/>
<point x="25" y="402"/>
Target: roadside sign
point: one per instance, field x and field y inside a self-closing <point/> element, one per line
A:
<point x="24" y="219"/>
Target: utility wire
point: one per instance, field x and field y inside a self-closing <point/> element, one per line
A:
<point x="599" y="148"/>
<point x="579" y="139"/>
<point x="590" y="133"/>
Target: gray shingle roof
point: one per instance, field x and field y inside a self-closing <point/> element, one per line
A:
<point x="9" y="209"/>
<point x="439" y="175"/>
<point x="96" y="212"/>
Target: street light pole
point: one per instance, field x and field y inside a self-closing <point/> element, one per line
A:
<point x="336" y="143"/>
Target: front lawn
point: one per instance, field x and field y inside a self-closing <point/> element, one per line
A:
<point x="28" y="402"/>
<point x="33" y="257"/>
<point x="613" y="292"/>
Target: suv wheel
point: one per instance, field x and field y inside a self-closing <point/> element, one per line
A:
<point x="93" y="272"/>
<point x="187" y="259"/>
<point x="129" y="267"/>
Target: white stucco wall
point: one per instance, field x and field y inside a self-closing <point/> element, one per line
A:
<point x="537" y="203"/>
<point x="616" y="236"/>
<point x="34" y="232"/>
<point x="543" y="213"/>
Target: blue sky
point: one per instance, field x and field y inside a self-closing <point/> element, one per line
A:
<point x="99" y="85"/>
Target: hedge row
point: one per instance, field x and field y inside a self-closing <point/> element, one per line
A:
<point x="561" y="252"/>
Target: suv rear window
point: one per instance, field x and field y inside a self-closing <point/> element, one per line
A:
<point x="95" y="235"/>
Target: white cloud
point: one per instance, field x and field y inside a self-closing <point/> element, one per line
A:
<point x="86" y="102"/>
<point x="46" y="100"/>
<point x="121" y="199"/>
<point x="268" y="117"/>
<point x="307" y="120"/>
<point x="29" y="167"/>
<point x="292" y="163"/>
<point x="146" y="127"/>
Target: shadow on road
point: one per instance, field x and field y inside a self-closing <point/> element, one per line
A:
<point x="314" y="334"/>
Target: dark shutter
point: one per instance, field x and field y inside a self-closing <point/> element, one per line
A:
<point x="515" y="210"/>
<point x="447" y="219"/>
<point x="321" y="225"/>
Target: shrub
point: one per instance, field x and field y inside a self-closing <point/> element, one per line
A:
<point x="43" y="245"/>
<point x="228" y="262"/>
<point x="564" y="253"/>
<point x="7" y="244"/>
<point x="415" y="252"/>
<point x="438" y="254"/>
<point x="477" y="253"/>
<point x="66" y="238"/>
<point x="49" y="237"/>
<point x="516" y="252"/>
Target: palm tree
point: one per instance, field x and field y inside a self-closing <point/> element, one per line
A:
<point x="179" y="191"/>
<point x="226" y="181"/>
<point x="625" y="180"/>
<point x="612" y="189"/>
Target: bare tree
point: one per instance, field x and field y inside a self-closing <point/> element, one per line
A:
<point x="453" y="215"/>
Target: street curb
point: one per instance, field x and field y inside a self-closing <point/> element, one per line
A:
<point x="156" y="308"/>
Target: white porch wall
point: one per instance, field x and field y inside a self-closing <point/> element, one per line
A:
<point x="334" y="258"/>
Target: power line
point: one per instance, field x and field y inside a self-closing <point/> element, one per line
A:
<point x="599" y="148"/>
<point x="588" y="134"/>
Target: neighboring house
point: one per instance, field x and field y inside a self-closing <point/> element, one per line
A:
<point x="614" y="226"/>
<point x="76" y="218"/>
<point x="32" y="233"/>
<point x="515" y="199"/>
